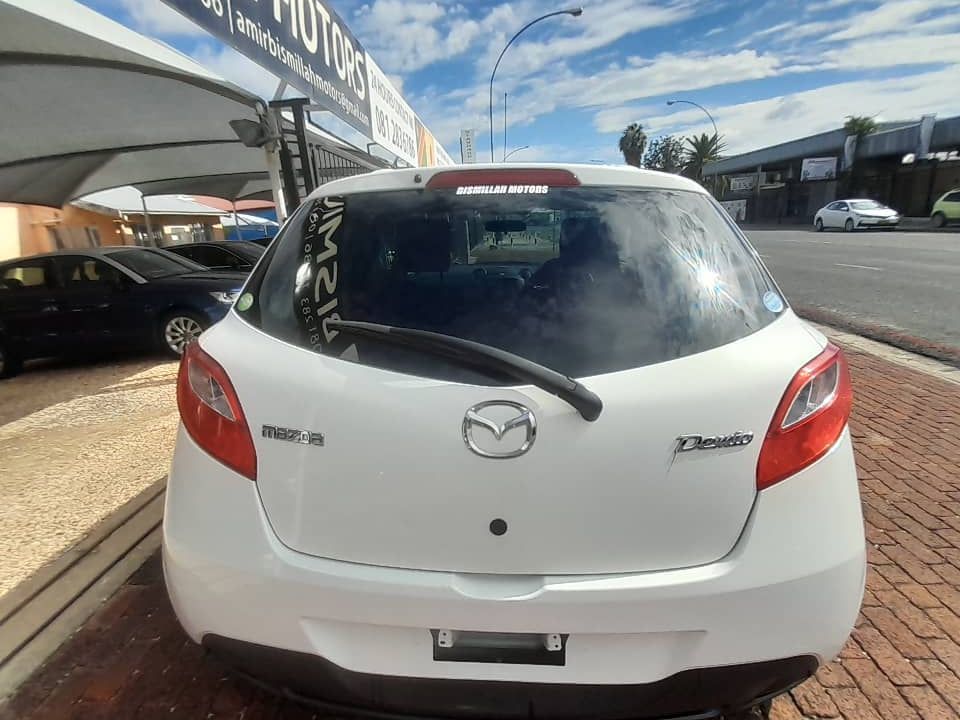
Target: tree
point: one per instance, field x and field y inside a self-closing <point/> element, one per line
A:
<point x="665" y="154"/>
<point x="859" y="126"/>
<point x="632" y="144"/>
<point x="700" y="150"/>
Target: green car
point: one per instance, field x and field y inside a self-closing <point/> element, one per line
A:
<point x="946" y="209"/>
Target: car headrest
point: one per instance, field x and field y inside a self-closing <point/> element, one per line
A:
<point x="423" y="245"/>
<point x="584" y="238"/>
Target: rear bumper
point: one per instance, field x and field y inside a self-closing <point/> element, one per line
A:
<point x="790" y="588"/>
<point x="699" y="693"/>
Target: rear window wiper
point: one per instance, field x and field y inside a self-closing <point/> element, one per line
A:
<point x="481" y="357"/>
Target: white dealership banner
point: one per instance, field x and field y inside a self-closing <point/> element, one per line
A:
<point x="394" y="123"/>
<point x="824" y="168"/>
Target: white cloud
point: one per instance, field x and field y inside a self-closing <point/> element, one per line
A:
<point x="897" y="51"/>
<point x="154" y="18"/>
<point x="667" y="73"/>
<point x="815" y="7"/>
<point x="789" y="32"/>
<point x="559" y="87"/>
<point x="404" y="35"/>
<point x="774" y="29"/>
<point x="237" y="68"/>
<point x="756" y="124"/>
<point x="890" y="17"/>
<point x="603" y="22"/>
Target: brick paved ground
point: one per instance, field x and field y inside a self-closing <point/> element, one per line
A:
<point x="902" y="663"/>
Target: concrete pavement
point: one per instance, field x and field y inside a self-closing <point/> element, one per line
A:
<point x="77" y="441"/>
<point x="902" y="663"/>
<point x="908" y="282"/>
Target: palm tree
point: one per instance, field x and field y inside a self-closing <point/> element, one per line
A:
<point x="632" y="144"/>
<point x="858" y="126"/>
<point x="700" y="150"/>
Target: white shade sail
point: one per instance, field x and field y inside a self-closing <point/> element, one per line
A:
<point x="87" y="104"/>
<point x="242" y="186"/>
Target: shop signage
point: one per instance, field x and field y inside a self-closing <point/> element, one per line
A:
<point x="824" y="168"/>
<point x="308" y="45"/>
<point x="743" y="183"/>
<point x="737" y="209"/>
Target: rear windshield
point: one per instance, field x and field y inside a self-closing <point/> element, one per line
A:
<point x="583" y="280"/>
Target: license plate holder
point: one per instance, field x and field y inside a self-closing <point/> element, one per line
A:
<point x="502" y="648"/>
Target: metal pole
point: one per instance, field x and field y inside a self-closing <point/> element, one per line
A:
<point x="273" y="161"/>
<point x="236" y="222"/>
<point x="306" y="155"/>
<point x="575" y="12"/>
<point x="146" y="220"/>
<point x="273" y="170"/>
<point x="504" y="126"/>
<point x="690" y="102"/>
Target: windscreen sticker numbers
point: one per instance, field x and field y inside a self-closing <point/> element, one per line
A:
<point x="315" y="292"/>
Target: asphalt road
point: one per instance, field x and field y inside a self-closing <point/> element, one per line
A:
<point x="907" y="281"/>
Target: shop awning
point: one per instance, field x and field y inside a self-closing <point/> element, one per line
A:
<point x="89" y="104"/>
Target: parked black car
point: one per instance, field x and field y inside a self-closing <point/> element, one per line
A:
<point x="73" y="301"/>
<point x="238" y="255"/>
<point x="261" y="241"/>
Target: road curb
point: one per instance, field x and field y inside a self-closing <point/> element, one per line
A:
<point x="882" y="334"/>
<point x="907" y="228"/>
<point x="43" y="611"/>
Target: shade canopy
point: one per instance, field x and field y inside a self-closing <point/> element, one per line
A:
<point x="89" y="104"/>
<point x="239" y="186"/>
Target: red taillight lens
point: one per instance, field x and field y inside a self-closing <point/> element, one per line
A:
<point x="809" y="420"/>
<point x="446" y="179"/>
<point x="211" y="412"/>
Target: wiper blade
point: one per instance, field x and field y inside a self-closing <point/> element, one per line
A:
<point x="482" y="357"/>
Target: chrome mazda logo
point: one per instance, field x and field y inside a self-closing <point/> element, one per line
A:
<point x="506" y="429"/>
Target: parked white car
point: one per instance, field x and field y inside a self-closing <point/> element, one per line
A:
<point x="516" y="441"/>
<point x="854" y="214"/>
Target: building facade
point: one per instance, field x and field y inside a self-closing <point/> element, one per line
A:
<point x="906" y="165"/>
<point x="32" y="229"/>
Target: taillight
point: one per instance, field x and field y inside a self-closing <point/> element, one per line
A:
<point x="211" y="412"/>
<point x="809" y="420"/>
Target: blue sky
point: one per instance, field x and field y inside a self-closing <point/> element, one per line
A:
<point x="768" y="70"/>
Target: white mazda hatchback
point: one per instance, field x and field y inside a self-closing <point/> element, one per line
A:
<point x="516" y="441"/>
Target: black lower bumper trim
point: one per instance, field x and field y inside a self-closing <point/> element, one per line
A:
<point x="703" y="693"/>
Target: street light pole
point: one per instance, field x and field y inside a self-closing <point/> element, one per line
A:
<point x="507" y="156"/>
<point x="707" y="112"/>
<point x="574" y="12"/>
<point x="504" y="126"/>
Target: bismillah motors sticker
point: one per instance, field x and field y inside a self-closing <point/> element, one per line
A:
<point x="503" y="190"/>
<point x="316" y="291"/>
